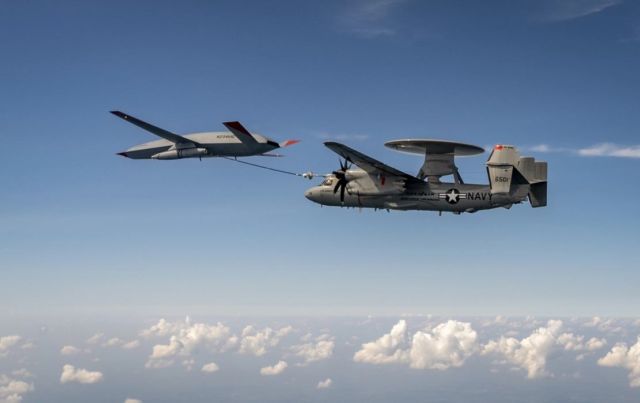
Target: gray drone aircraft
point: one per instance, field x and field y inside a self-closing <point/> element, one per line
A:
<point x="512" y="179"/>
<point x="237" y="142"/>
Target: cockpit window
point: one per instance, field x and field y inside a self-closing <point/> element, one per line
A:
<point x="327" y="182"/>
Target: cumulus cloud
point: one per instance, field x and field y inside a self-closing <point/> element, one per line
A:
<point x="320" y="349"/>
<point x="531" y="352"/>
<point x="185" y="338"/>
<point x="164" y="328"/>
<point x="326" y="384"/>
<point x="210" y="367"/>
<point x="387" y="349"/>
<point x="274" y="369"/>
<point x="447" y="345"/>
<point x="257" y="342"/>
<point x="604" y="325"/>
<point x="572" y="342"/>
<point x="79" y="375"/>
<point x="69" y="350"/>
<point x="7" y="342"/>
<point x="12" y="390"/>
<point x="130" y="400"/>
<point x="625" y="357"/>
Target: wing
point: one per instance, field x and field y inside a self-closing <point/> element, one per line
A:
<point x="165" y="134"/>
<point x="368" y="164"/>
<point x="240" y="132"/>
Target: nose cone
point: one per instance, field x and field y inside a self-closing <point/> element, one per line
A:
<point x="309" y="194"/>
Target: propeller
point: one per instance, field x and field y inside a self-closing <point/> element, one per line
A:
<point x="342" y="178"/>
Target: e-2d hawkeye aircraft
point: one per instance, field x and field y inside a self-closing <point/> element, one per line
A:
<point x="512" y="179"/>
<point x="237" y="142"/>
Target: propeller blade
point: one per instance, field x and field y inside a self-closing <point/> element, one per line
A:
<point x="335" y="189"/>
<point x="344" y="186"/>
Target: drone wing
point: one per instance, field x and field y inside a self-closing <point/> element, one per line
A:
<point x="165" y="134"/>
<point x="368" y="164"/>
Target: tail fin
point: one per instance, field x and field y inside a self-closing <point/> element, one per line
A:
<point x="288" y="143"/>
<point x="500" y="168"/>
<point x="507" y="169"/>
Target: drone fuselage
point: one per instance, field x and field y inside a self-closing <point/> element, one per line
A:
<point x="214" y="144"/>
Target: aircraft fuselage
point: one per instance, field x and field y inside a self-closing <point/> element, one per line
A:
<point x="451" y="197"/>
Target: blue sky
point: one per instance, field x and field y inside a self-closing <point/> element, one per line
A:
<point x="82" y="230"/>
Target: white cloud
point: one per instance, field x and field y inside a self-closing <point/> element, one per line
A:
<point x="321" y="349"/>
<point x="611" y="150"/>
<point x="571" y="342"/>
<point x="257" y="342"/>
<point x="447" y="345"/>
<point x="113" y="342"/>
<point x="368" y="18"/>
<point x="7" y="342"/>
<point x="274" y="369"/>
<point x="604" y="325"/>
<point x="164" y="328"/>
<point x="131" y="345"/>
<point x="117" y="342"/>
<point x="564" y="10"/>
<point x="185" y="338"/>
<point x="95" y="339"/>
<point x="130" y="400"/>
<point x="69" y="350"/>
<point x="210" y="367"/>
<point x="387" y="349"/>
<point x="12" y="390"/>
<point x="595" y="343"/>
<point x="326" y="384"/>
<point x="625" y="357"/>
<point x="72" y="374"/>
<point x="596" y="150"/>
<point x="531" y="352"/>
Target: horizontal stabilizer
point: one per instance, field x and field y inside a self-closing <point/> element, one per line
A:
<point x="240" y="132"/>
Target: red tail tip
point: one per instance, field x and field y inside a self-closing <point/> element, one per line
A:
<point x="289" y="143"/>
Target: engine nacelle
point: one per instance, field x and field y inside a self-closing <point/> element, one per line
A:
<point x="181" y="153"/>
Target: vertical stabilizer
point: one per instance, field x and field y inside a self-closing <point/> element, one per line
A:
<point x="500" y="168"/>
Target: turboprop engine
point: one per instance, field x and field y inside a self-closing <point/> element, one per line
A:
<point x="181" y="153"/>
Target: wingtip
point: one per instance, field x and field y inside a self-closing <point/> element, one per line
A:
<point x="119" y="114"/>
<point x="123" y="154"/>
